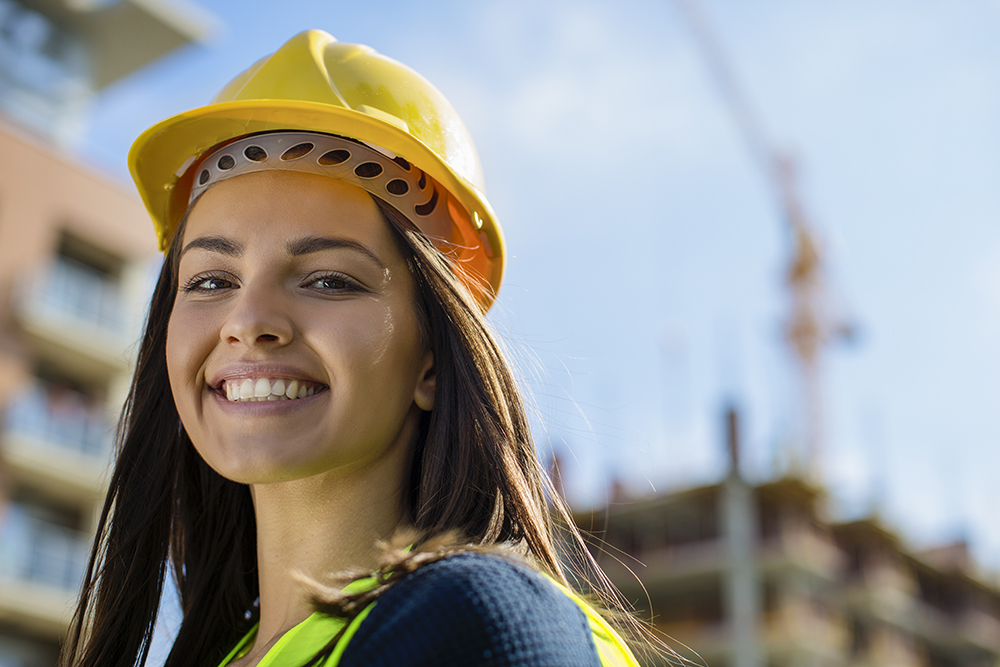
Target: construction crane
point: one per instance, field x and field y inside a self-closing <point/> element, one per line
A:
<point x="811" y="325"/>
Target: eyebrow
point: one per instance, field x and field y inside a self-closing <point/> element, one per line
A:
<point x="311" y="244"/>
<point x="297" y="248"/>
<point x="217" y="244"/>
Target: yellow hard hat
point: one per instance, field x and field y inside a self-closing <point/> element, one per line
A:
<point x="319" y="85"/>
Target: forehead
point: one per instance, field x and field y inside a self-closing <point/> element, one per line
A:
<point x="277" y="206"/>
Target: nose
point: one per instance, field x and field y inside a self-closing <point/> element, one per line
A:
<point x="257" y="318"/>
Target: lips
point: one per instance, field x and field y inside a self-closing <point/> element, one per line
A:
<point x="254" y="382"/>
<point x="256" y="389"/>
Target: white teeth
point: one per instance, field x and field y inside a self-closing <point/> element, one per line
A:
<point x="266" y="389"/>
<point x="262" y="388"/>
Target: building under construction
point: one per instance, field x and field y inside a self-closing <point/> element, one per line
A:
<point x="756" y="575"/>
<point x="75" y="250"/>
<point x="739" y="574"/>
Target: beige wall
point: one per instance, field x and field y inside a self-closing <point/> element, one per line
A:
<point x="41" y="194"/>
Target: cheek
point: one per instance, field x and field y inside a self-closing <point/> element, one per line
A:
<point x="378" y="355"/>
<point x="398" y="351"/>
<point x="186" y="349"/>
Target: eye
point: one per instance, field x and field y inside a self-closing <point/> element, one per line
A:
<point x="333" y="283"/>
<point x="208" y="283"/>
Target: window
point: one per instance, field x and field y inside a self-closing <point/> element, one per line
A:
<point x="83" y="283"/>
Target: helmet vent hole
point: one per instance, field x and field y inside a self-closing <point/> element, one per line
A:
<point x="423" y="181"/>
<point x="255" y="153"/>
<point x="331" y="158"/>
<point x="397" y="187"/>
<point x="204" y="177"/>
<point x="368" y="170"/>
<point x="226" y="162"/>
<point x="428" y="208"/>
<point x="401" y="162"/>
<point x="297" y="151"/>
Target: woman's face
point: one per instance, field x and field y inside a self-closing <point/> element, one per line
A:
<point x="294" y="347"/>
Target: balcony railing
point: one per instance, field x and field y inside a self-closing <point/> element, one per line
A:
<point x="79" y="319"/>
<point x="60" y="417"/>
<point x="33" y="551"/>
<point x="69" y="289"/>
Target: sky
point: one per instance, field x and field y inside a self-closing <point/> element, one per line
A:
<point x="645" y="284"/>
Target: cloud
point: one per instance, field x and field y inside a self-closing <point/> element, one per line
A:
<point x="575" y="79"/>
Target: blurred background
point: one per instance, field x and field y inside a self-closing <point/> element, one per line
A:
<point x="753" y="292"/>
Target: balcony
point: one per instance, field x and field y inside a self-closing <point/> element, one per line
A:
<point x="794" y="634"/>
<point x="59" y="441"/>
<point x="77" y="316"/>
<point x="964" y="633"/>
<point x="44" y="72"/>
<point x="681" y="565"/>
<point x="41" y="568"/>
<point x="803" y="548"/>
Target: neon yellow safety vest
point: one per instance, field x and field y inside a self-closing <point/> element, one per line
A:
<point x="302" y="642"/>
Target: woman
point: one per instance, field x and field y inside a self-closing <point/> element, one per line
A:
<point x="315" y="376"/>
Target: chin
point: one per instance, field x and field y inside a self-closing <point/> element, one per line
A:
<point x="244" y="466"/>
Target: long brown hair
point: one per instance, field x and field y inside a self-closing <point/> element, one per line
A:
<point x="475" y="472"/>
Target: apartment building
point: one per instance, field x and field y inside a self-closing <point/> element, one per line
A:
<point x="76" y="253"/>
<point x="754" y="575"/>
<point x="916" y="608"/>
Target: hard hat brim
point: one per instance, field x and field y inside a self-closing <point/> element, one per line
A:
<point x="163" y="155"/>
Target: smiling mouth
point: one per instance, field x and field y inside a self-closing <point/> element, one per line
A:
<point x="250" y="390"/>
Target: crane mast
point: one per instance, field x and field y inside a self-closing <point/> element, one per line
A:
<point x="809" y="326"/>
